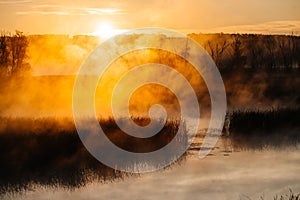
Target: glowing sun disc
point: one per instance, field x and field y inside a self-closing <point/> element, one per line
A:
<point x="105" y="30"/>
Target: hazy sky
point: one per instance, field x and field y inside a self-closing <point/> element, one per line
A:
<point x="86" y="16"/>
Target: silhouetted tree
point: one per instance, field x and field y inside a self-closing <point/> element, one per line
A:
<point x="19" y="46"/>
<point x="283" y="45"/>
<point x="13" y="53"/>
<point x="269" y="43"/>
<point x="216" y="50"/>
<point x="237" y="60"/>
<point x="294" y="51"/>
<point x="4" y="54"/>
<point x="255" y="52"/>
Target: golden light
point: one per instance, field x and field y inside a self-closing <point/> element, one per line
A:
<point x="105" y="30"/>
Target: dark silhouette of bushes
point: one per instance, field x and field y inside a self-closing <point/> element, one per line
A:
<point x="264" y="129"/>
<point x="48" y="151"/>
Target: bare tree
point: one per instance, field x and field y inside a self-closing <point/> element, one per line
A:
<point x="283" y="52"/>
<point x="293" y="50"/>
<point x="4" y="54"/>
<point x="255" y="52"/>
<point x="13" y="54"/>
<point x="19" y="46"/>
<point x="237" y="60"/>
<point x="216" y="50"/>
<point x="269" y="43"/>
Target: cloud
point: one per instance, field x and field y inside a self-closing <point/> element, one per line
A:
<point x="189" y="16"/>
<point x="273" y="27"/>
<point x="11" y="2"/>
<point x="42" y="13"/>
<point x="49" y="9"/>
<point x="98" y="10"/>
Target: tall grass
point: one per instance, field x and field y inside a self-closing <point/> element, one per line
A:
<point x="49" y="152"/>
<point x="290" y="196"/>
<point x="264" y="129"/>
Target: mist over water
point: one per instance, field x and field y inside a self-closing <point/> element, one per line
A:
<point x="55" y="60"/>
<point x="37" y="127"/>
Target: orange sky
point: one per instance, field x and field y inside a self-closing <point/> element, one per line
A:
<point x="86" y="16"/>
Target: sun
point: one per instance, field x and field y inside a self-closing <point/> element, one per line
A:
<point x="105" y="30"/>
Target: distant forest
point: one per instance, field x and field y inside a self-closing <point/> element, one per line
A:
<point x="231" y="52"/>
<point x="252" y="51"/>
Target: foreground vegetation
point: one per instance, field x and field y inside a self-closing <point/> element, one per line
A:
<point x="290" y="196"/>
<point x="259" y="129"/>
<point x="49" y="152"/>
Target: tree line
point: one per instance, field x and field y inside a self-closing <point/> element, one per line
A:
<point x="13" y="54"/>
<point x="252" y="51"/>
<point x="231" y="52"/>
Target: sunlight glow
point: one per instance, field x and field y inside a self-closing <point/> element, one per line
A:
<point x="105" y="30"/>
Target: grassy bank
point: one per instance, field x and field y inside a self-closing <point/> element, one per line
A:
<point x="48" y="151"/>
<point x="265" y="129"/>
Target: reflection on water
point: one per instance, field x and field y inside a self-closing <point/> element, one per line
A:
<point x="48" y="152"/>
<point x="238" y="176"/>
<point x="39" y="161"/>
<point x="241" y="175"/>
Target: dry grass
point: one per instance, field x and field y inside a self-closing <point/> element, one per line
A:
<point x="49" y="152"/>
<point x="258" y="129"/>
